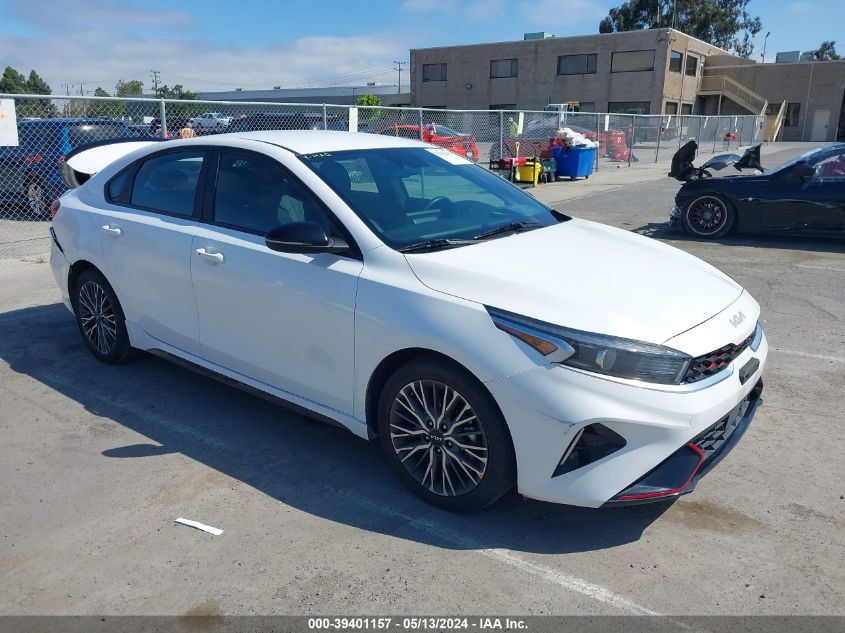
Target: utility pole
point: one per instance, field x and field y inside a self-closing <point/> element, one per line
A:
<point x="67" y="87"/>
<point x="398" y="67"/>
<point x="154" y="76"/>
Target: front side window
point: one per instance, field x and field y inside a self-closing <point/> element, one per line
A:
<point x="434" y="72"/>
<point x="411" y="195"/>
<point x="168" y="183"/>
<point x="501" y="68"/>
<point x="577" y="64"/>
<point x="256" y="195"/>
<point x="632" y="61"/>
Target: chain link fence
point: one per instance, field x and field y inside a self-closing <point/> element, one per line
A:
<point x="50" y="127"/>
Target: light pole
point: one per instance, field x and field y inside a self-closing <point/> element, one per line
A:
<point x="765" y="40"/>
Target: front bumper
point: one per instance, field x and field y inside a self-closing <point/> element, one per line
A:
<point x="546" y="408"/>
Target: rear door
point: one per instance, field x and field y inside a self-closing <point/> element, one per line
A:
<point x="145" y="234"/>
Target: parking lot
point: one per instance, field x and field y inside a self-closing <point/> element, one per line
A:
<point x="97" y="462"/>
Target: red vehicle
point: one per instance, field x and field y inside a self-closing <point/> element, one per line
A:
<point x="539" y="140"/>
<point x="436" y="134"/>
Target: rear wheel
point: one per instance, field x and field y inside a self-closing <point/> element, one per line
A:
<point x="444" y="435"/>
<point x="708" y="217"/>
<point x="100" y="319"/>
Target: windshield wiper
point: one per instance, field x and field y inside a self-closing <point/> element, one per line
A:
<point x="435" y="244"/>
<point x="513" y="227"/>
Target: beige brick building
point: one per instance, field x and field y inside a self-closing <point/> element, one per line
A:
<point x="658" y="71"/>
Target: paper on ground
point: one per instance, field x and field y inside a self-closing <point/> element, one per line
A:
<point x="200" y="526"/>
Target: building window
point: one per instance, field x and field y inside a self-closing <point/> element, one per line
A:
<point x="586" y="106"/>
<point x="629" y="107"/>
<point x="675" y="60"/>
<point x="632" y="61"/>
<point x="686" y="108"/>
<point x="501" y="68"/>
<point x="503" y="106"/>
<point x="692" y="66"/>
<point x="790" y="117"/>
<point x="671" y="107"/>
<point x="577" y="64"/>
<point x="434" y="72"/>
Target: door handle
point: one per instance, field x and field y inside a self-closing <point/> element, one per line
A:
<point x="116" y="231"/>
<point x="217" y="258"/>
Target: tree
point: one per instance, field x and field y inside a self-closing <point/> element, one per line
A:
<point x="826" y="52"/>
<point x="723" y="23"/>
<point x="103" y="108"/>
<point x="13" y="82"/>
<point x="370" y="113"/>
<point x="130" y="88"/>
<point x="176" y="92"/>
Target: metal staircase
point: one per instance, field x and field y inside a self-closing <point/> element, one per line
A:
<point x="774" y="123"/>
<point x="724" y="86"/>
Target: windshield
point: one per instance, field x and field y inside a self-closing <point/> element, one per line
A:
<point x="84" y="133"/>
<point x="809" y="157"/>
<point x="415" y="194"/>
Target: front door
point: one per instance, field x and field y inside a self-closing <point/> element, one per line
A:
<point x="284" y="319"/>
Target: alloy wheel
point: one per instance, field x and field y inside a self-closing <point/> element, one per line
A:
<point x="707" y="216"/>
<point x="96" y="314"/>
<point x="438" y="438"/>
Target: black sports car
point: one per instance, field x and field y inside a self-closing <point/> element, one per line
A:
<point x="805" y="195"/>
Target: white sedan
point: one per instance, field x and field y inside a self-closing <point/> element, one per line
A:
<point x="211" y="120"/>
<point x="485" y="340"/>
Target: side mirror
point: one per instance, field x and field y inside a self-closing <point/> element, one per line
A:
<point x="802" y="172"/>
<point x="303" y="237"/>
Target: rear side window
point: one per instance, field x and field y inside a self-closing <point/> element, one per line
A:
<point x="168" y="183"/>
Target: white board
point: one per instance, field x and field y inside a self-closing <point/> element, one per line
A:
<point x="353" y="119"/>
<point x="8" y="123"/>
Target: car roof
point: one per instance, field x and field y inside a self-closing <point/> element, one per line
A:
<point x="312" y="141"/>
<point x="66" y="121"/>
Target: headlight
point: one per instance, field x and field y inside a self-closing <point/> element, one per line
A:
<point x="598" y="353"/>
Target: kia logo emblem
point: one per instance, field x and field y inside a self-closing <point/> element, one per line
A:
<point x="738" y="318"/>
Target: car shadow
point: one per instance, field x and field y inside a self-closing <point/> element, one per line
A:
<point x="662" y="231"/>
<point x="312" y="466"/>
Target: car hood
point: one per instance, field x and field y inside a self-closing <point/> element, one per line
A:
<point x="587" y="276"/>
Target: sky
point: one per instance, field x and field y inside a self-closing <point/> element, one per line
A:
<point x="208" y="45"/>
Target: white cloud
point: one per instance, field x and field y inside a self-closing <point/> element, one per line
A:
<point x="424" y="6"/>
<point x="550" y="14"/>
<point x="802" y="9"/>
<point x="98" y="43"/>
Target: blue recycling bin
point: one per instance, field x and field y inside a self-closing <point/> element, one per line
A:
<point x="574" y="162"/>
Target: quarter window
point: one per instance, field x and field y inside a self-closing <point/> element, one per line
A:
<point x="117" y="185"/>
<point x="255" y="195"/>
<point x="434" y="72"/>
<point x="168" y="183"/>
<point x="501" y="68"/>
<point x="577" y="64"/>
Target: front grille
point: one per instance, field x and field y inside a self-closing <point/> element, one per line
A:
<point x="709" y="364"/>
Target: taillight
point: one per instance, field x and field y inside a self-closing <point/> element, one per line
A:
<point x="54" y="208"/>
<point x="36" y="158"/>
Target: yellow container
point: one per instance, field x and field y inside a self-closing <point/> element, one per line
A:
<point x="529" y="172"/>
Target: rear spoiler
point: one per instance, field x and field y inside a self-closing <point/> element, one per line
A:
<point x="86" y="160"/>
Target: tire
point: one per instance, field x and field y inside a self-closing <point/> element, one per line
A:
<point x="100" y="319"/>
<point x="708" y="217"/>
<point x="495" y="154"/>
<point x="451" y="472"/>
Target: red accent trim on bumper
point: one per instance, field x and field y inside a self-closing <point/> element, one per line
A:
<point x="674" y="491"/>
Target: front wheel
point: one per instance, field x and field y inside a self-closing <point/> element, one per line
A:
<point x="445" y="437"/>
<point x="708" y="217"/>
